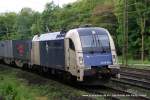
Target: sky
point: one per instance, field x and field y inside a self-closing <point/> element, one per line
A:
<point x="36" y="5"/>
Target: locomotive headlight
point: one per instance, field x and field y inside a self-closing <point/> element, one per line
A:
<point x="81" y="60"/>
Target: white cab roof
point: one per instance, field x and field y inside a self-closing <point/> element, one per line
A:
<point x="48" y="36"/>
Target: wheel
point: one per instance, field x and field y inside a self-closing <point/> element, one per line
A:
<point x="7" y="61"/>
<point x="19" y="63"/>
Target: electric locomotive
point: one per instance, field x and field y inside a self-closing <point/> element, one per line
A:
<point x="94" y="52"/>
<point x="80" y="52"/>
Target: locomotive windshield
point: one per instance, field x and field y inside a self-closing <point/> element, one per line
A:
<point x="97" y="42"/>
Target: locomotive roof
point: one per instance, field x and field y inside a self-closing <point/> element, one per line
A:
<point x="91" y="30"/>
<point x="49" y="36"/>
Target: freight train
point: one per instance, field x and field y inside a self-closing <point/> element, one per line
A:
<point x="80" y="52"/>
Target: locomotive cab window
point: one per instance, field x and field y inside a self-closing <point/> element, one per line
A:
<point x="71" y="44"/>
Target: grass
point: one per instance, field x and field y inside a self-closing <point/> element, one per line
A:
<point x="19" y="85"/>
<point x="134" y="63"/>
<point x="12" y="89"/>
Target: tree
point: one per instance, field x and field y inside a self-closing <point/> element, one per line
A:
<point x="24" y="22"/>
<point x="7" y="21"/>
<point x="141" y="21"/>
<point x="48" y="18"/>
<point x="36" y="27"/>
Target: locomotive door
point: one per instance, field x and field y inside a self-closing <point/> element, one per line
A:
<point x="70" y="56"/>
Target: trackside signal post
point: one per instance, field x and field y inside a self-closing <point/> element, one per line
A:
<point x="125" y="36"/>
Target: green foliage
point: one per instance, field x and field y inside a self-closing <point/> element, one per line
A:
<point x="36" y="27"/>
<point x="24" y="22"/>
<point x="10" y="89"/>
<point x="138" y="23"/>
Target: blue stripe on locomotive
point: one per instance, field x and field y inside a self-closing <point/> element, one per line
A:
<point x="97" y="59"/>
<point x="52" y="54"/>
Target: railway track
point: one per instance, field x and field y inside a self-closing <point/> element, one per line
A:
<point x="129" y="76"/>
<point x="122" y="89"/>
<point x="114" y="93"/>
<point x="142" y="72"/>
<point x="135" y="77"/>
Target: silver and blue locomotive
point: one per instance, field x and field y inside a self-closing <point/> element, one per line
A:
<point x="81" y="52"/>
